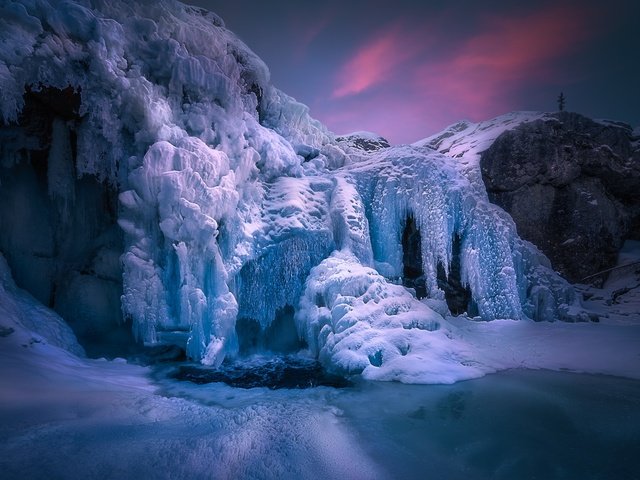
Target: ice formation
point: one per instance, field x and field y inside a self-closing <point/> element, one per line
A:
<point x="236" y="205"/>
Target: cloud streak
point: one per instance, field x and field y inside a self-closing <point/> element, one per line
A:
<point x="376" y="62"/>
<point x="424" y="76"/>
<point x="507" y="56"/>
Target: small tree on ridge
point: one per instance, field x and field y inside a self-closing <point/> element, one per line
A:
<point x="561" y="102"/>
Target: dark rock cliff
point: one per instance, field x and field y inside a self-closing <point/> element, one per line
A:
<point x="572" y="185"/>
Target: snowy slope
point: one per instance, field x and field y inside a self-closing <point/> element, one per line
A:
<point x="24" y="317"/>
<point x="237" y="205"/>
<point x="465" y="140"/>
<point x="618" y="300"/>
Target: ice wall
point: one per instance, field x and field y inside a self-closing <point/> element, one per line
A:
<point x="231" y="195"/>
<point x="171" y="105"/>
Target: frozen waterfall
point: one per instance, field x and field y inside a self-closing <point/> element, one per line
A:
<point x="234" y="207"/>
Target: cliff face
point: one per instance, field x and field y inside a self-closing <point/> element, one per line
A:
<point x="572" y="186"/>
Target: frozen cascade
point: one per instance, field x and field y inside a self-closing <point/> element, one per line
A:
<point x="350" y="224"/>
<point x="405" y="181"/>
<point x="276" y="279"/>
<point x="236" y="204"/>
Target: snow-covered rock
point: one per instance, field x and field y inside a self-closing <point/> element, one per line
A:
<point x="363" y="140"/>
<point x="28" y="321"/>
<point x="569" y="182"/>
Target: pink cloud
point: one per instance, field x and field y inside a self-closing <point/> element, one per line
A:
<point x="394" y="86"/>
<point x="509" y="55"/>
<point x="376" y="61"/>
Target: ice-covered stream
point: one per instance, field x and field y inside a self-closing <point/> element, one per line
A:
<point x="64" y="416"/>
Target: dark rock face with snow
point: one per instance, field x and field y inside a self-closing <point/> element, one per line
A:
<point x="366" y="141"/>
<point x="59" y="232"/>
<point x="571" y="186"/>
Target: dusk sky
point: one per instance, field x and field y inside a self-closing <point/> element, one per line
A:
<point x="406" y="69"/>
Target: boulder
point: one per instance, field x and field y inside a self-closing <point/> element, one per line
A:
<point x="572" y="186"/>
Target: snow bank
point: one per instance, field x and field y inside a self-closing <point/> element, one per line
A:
<point x="23" y="316"/>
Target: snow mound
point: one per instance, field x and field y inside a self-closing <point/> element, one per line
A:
<point x="358" y="323"/>
<point x="23" y="316"/>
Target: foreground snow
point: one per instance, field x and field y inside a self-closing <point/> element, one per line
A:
<point x="64" y="417"/>
<point x="105" y="420"/>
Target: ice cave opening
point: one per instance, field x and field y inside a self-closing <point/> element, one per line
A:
<point x="279" y="337"/>
<point x="413" y="275"/>
<point x="457" y="294"/>
<point x="59" y="232"/>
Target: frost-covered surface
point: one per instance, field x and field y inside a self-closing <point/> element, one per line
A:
<point x="236" y="204"/>
<point x="465" y="140"/>
<point x="617" y="302"/>
<point x="21" y="315"/>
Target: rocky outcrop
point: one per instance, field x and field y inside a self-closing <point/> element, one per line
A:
<point x="366" y="141"/>
<point x="572" y="185"/>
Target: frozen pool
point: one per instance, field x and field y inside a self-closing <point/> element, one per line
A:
<point x="514" y="424"/>
<point x="111" y="420"/>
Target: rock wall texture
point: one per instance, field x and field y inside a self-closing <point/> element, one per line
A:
<point x="572" y="185"/>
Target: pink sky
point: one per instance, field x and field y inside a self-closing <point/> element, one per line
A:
<point x="394" y="84"/>
<point x="406" y="69"/>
